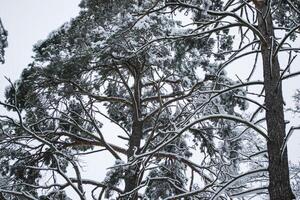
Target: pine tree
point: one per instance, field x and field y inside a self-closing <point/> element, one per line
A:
<point x="155" y="88"/>
<point x="3" y="41"/>
<point x="260" y="23"/>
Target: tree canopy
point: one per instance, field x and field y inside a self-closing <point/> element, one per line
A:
<point x="155" y="69"/>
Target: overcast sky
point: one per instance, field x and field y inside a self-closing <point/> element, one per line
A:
<point x="28" y="21"/>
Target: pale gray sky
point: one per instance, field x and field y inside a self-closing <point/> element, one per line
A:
<point x="28" y="21"/>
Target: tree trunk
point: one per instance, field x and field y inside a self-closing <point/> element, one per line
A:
<point x="132" y="175"/>
<point x="279" y="182"/>
<point x="131" y="180"/>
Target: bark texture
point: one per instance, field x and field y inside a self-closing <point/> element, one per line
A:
<point x="279" y="182"/>
<point x="132" y="175"/>
<point x="131" y="180"/>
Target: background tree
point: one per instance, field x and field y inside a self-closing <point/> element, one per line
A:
<point x="3" y="41"/>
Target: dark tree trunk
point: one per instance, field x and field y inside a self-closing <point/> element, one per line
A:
<point x="279" y="182"/>
<point x="132" y="175"/>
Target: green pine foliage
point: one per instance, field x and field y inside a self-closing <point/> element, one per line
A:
<point x="117" y="60"/>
